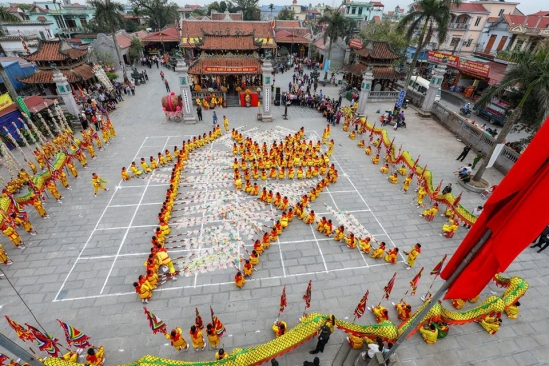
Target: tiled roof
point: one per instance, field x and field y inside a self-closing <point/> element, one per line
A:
<point x="492" y="19"/>
<point x="198" y="66"/>
<point x="380" y="50"/>
<point x="123" y="41"/>
<point x="377" y="3"/>
<point x="471" y="8"/>
<point x="355" y="69"/>
<point x="319" y="43"/>
<point x="287" y="23"/>
<point x="55" y="51"/>
<point x="385" y="73"/>
<point x="37" y="102"/>
<point x="543" y="13"/>
<point x="166" y="35"/>
<point x="228" y="43"/>
<point x="79" y="73"/>
<point x="285" y="36"/>
<point x="196" y="28"/>
<point x="529" y="21"/>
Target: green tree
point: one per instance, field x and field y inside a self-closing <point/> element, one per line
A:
<point x="531" y="74"/>
<point x="423" y="15"/>
<point x="385" y="31"/>
<point x="249" y="9"/>
<point x="286" y="14"/>
<point x="136" y="48"/>
<point x="160" y="12"/>
<point x="220" y="7"/>
<point x="271" y="8"/>
<point x="337" y="25"/>
<point x="109" y="14"/>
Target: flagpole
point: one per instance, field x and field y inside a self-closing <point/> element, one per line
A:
<point x="438" y="295"/>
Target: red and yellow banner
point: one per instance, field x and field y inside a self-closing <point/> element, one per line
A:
<point x="231" y="69"/>
<point x="435" y="56"/>
<point x="5" y="101"/>
<point x="475" y="67"/>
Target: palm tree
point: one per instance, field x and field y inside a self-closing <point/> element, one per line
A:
<point x="531" y="74"/>
<point x="337" y="26"/>
<point x="423" y="14"/>
<point x="271" y="6"/>
<point x="109" y="14"/>
<point x="7" y="17"/>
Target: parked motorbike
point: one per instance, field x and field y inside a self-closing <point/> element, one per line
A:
<point x="464" y="112"/>
<point x="401" y="122"/>
<point x="386" y="118"/>
<point x="405" y="104"/>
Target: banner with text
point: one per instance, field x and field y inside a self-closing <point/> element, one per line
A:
<point x="435" y="56"/>
<point x="5" y="101"/>
<point x="474" y="67"/>
<point x="231" y="69"/>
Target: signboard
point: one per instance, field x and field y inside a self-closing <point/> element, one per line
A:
<point x="401" y="96"/>
<point x="5" y="101"/>
<point x="231" y="69"/>
<point x="435" y="56"/>
<point x="326" y="65"/>
<point x="478" y="68"/>
<point x="355" y="43"/>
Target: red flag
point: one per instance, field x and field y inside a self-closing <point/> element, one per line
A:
<point x="198" y="320"/>
<point x="74" y="337"/>
<point x="3" y="358"/>
<point x="359" y="311"/>
<point x="437" y="190"/>
<point x="415" y="281"/>
<point x="387" y="289"/>
<point x="156" y="324"/>
<point x="46" y="343"/>
<point x="218" y="326"/>
<point x="22" y="333"/>
<point x="283" y="302"/>
<point x="415" y="164"/>
<point x="436" y="271"/>
<point x="515" y="214"/>
<point x="307" y="296"/>
<point x="456" y="201"/>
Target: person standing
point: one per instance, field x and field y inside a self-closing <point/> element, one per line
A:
<point x="162" y="75"/>
<point x="323" y="338"/>
<point x="464" y="153"/>
<point x="543" y="241"/>
<point x="167" y="85"/>
<point x="97" y="183"/>
<point x="476" y="159"/>
<point x="447" y="189"/>
<point x="199" y="113"/>
<point x="214" y="117"/>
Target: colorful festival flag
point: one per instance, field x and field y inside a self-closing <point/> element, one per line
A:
<point x="361" y="307"/>
<point x="45" y="342"/>
<point x="156" y="324"/>
<point x="415" y="281"/>
<point x="436" y="271"/>
<point x="283" y="302"/>
<point x="218" y="326"/>
<point x="22" y="333"/>
<point x="307" y="296"/>
<point x="198" y="320"/>
<point x="387" y="289"/>
<point x="74" y="337"/>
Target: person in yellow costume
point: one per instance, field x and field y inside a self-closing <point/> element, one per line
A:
<point x="351" y="241"/>
<point x="368" y="150"/>
<point x="32" y="166"/>
<point x="393" y="178"/>
<point x="421" y="192"/>
<point x="24" y="222"/>
<point x="161" y="159"/>
<point x="97" y="183"/>
<point x="212" y="336"/>
<point x="177" y="340"/>
<point x="52" y="187"/>
<point x="364" y="244"/>
<point x="145" y="166"/>
<point x="197" y="339"/>
<point x="95" y="358"/>
<point x="384" y="169"/>
<point x="135" y="170"/>
<point x="361" y="144"/>
<point x="402" y="170"/>
<point x="310" y="219"/>
<point x="70" y="356"/>
<point x="404" y="310"/>
<point x="339" y="233"/>
<point x="412" y="255"/>
<point x="143" y="290"/>
<point x="219" y="355"/>
<point x="430" y="335"/>
<point x="124" y="174"/>
<point x="4" y="257"/>
<point x="406" y="184"/>
<point x="391" y="256"/>
<point x="511" y="311"/>
<point x="352" y="135"/>
<point x="490" y="324"/>
<point x="458" y="303"/>
<point x="64" y="180"/>
<point x="279" y="328"/>
<point x="430" y="212"/>
<point x="450" y="227"/>
<point x="378" y="253"/>
<point x="226" y="123"/>
<point x="72" y="169"/>
<point x="355" y="342"/>
<point x="380" y="312"/>
<point x="239" y="280"/>
<point x="165" y="260"/>
<point x="375" y="159"/>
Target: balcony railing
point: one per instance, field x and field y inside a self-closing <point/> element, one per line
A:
<point x="458" y="26"/>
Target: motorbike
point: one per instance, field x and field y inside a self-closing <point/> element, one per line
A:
<point x="401" y="122"/>
<point x="405" y="104"/>
<point x="465" y="112"/>
<point x="386" y="118"/>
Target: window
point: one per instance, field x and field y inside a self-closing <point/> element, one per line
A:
<point x="353" y="10"/>
<point x="455" y="41"/>
<point x="469" y="41"/>
<point x="360" y="11"/>
<point x="477" y="22"/>
<point x="518" y="45"/>
<point x="84" y="22"/>
<point x="47" y="7"/>
<point x="501" y="12"/>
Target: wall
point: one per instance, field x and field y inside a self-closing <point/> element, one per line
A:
<point x="104" y="44"/>
<point x="29" y="29"/>
<point x="500" y="30"/>
<point x="474" y="136"/>
<point x="14" y="48"/>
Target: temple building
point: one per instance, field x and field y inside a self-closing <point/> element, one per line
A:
<point x="60" y="55"/>
<point x="380" y="57"/>
<point x="226" y="54"/>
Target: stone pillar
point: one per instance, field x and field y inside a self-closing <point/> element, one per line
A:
<point x="65" y="92"/>
<point x="434" y="86"/>
<point x="267" y="115"/>
<point x="365" y="88"/>
<point x="185" y="87"/>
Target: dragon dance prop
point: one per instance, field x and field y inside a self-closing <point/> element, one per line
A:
<point x="516" y="287"/>
<point x="396" y="157"/>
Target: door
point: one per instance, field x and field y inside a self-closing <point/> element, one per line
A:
<point x="490" y="43"/>
<point x="502" y="43"/>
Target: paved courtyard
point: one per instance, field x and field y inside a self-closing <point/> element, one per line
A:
<point x="81" y="265"/>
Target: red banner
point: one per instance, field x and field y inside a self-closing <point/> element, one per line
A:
<point x="355" y="43"/>
<point x="478" y="68"/>
<point x="435" y="56"/>
<point x="231" y="69"/>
